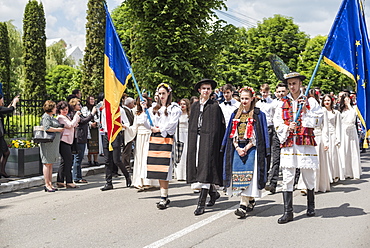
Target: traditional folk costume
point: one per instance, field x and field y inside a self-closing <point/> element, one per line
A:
<point x="322" y="172"/>
<point x="297" y="149"/>
<point x="142" y="134"/>
<point x="204" y="158"/>
<point x="246" y="176"/>
<point x="160" y="155"/>
<point x="331" y="135"/>
<point x="350" y="150"/>
<point x="180" y="170"/>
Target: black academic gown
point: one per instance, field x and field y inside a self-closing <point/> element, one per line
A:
<point x="209" y="168"/>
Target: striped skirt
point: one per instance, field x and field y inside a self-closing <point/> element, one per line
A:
<point x="159" y="163"/>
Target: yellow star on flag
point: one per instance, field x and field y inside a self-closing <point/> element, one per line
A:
<point x="358" y="43"/>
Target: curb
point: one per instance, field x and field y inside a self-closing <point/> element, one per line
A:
<point x="39" y="180"/>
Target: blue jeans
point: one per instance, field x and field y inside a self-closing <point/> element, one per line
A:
<point x="77" y="160"/>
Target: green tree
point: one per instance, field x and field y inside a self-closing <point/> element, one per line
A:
<point x="93" y="64"/>
<point x="232" y="67"/>
<point x="34" y="50"/>
<point x="278" y="35"/>
<point x="4" y="57"/>
<point x="61" y="80"/>
<point x="56" y="55"/>
<point x="172" y="41"/>
<point x="16" y="53"/>
<point x="327" y="78"/>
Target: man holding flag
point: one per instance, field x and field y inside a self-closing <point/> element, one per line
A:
<point x="117" y="72"/>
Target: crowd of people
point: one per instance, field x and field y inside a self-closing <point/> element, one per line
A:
<point x="238" y="140"/>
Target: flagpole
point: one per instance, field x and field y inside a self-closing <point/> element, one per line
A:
<point x="140" y="96"/>
<point x="130" y="68"/>
<point x="309" y="85"/>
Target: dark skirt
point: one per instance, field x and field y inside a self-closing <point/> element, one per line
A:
<point x="159" y="157"/>
<point x="93" y="143"/>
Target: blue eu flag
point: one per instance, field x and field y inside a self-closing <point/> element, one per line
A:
<point x="347" y="50"/>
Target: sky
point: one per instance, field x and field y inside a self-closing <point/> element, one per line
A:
<point x="66" y="19"/>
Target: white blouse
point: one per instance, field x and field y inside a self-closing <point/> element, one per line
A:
<point x="166" y="124"/>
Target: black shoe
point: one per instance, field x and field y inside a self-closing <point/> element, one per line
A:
<point x="48" y="190"/>
<point x="107" y="187"/>
<point x="201" y="202"/>
<point x="96" y="163"/>
<point x="251" y="205"/>
<point x="128" y="182"/>
<point x="163" y="203"/>
<point x="310" y="203"/>
<point x="4" y="175"/>
<point x="90" y="163"/>
<point x="214" y="197"/>
<point x="241" y="211"/>
<point x="288" y="208"/>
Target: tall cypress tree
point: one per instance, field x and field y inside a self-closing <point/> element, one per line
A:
<point x="93" y="66"/>
<point x="34" y="49"/>
<point x="4" y="57"/>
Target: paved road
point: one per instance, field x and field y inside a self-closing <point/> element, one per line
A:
<point x="87" y="217"/>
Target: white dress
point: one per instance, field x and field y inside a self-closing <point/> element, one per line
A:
<point x="322" y="172"/>
<point x="350" y="149"/>
<point x="180" y="170"/>
<point x="141" y="151"/>
<point x="331" y="135"/>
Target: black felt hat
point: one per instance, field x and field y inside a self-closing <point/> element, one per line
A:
<point x="213" y="83"/>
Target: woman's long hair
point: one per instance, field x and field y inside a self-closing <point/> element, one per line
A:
<point x="342" y="105"/>
<point x="88" y="105"/>
<point x="159" y="102"/>
<point x="187" y="104"/>
<point x="253" y="103"/>
<point x="331" y="102"/>
<point x="139" y="109"/>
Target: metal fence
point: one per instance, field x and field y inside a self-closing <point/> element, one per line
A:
<point x="19" y="124"/>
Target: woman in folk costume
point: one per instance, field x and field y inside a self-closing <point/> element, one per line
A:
<point x="349" y="150"/>
<point x="331" y="136"/>
<point x="246" y="145"/>
<point x="297" y="142"/>
<point x="182" y="135"/>
<point x="165" y="116"/>
<point x="142" y="134"/>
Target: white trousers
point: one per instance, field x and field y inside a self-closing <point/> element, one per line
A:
<point x="308" y="176"/>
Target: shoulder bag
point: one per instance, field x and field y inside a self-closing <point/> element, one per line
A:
<point x="41" y="136"/>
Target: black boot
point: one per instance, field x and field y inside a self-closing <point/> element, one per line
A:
<point x="201" y="202"/>
<point x="213" y="193"/>
<point x="310" y="202"/>
<point x="288" y="208"/>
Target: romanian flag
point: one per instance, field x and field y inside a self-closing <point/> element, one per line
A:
<point x="117" y="72"/>
<point x="347" y="50"/>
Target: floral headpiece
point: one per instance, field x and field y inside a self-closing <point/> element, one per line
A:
<point x="247" y="88"/>
<point x="164" y="85"/>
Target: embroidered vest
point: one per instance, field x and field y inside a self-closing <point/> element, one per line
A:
<point x="304" y="135"/>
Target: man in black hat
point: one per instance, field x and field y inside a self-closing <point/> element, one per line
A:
<point x="297" y="142"/>
<point x="206" y="131"/>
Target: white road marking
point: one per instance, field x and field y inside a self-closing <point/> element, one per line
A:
<point x="195" y="226"/>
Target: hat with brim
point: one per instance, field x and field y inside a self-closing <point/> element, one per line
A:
<point x="213" y="83"/>
<point x="291" y="75"/>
